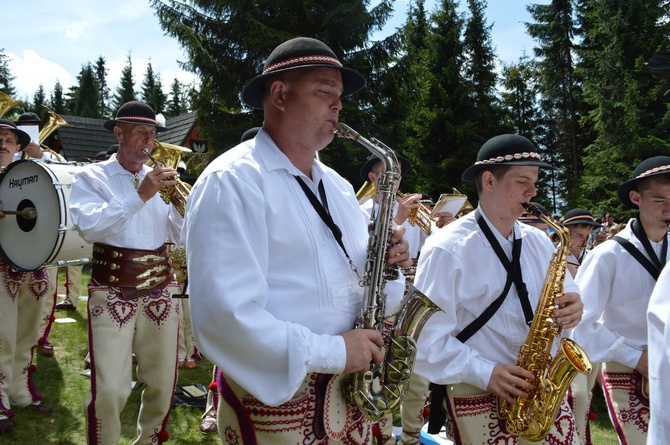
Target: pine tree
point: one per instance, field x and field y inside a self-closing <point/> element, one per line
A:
<point x="227" y="42"/>
<point x="554" y="30"/>
<point x="152" y="90"/>
<point x="125" y="92"/>
<point x="480" y="71"/>
<point x="629" y="111"/>
<point x="6" y="77"/>
<point x="56" y="100"/>
<point x="39" y="99"/>
<point x="101" y="77"/>
<point x="84" y="98"/>
<point x="176" y="104"/>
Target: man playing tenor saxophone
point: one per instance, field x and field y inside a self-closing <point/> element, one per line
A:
<point x="486" y="272"/>
<point x="278" y="322"/>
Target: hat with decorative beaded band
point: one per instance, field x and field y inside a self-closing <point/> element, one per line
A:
<point x="657" y="165"/>
<point x="579" y="216"/>
<point x="22" y="136"/>
<point x="300" y="52"/>
<point x="505" y="149"/>
<point x="135" y="112"/>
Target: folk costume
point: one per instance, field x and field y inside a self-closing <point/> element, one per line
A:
<point x="460" y="271"/>
<point x="658" y="319"/>
<point x="23" y="297"/>
<point x="130" y="306"/>
<point x="616" y="280"/>
<point x="288" y="292"/>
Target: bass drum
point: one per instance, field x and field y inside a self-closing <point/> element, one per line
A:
<point x="49" y="239"/>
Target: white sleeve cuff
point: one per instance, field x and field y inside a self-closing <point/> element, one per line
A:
<point x="328" y="354"/>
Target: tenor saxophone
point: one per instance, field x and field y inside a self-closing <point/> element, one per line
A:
<point x="380" y="390"/>
<point x="533" y="417"/>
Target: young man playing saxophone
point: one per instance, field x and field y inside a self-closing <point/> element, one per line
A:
<point x="463" y="268"/>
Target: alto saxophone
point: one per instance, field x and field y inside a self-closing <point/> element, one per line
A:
<point x="533" y="417"/>
<point x="380" y="390"/>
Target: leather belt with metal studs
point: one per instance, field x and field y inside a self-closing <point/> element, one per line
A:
<point x="139" y="269"/>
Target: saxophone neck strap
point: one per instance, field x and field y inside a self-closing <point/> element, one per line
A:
<point x="321" y="208"/>
<point x="513" y="267"/>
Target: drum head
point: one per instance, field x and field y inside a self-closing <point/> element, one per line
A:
<point x="27" y="243"/>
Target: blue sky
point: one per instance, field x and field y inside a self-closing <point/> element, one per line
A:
<point x="52" y="40"/>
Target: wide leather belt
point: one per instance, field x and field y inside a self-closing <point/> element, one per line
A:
<point x="136" y="271"/>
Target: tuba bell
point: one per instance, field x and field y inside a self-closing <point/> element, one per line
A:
<point x="6" y="103"/>
<point x="54" y="123"/>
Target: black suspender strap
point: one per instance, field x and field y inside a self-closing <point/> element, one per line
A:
<point x="653" y="265"/>
<point x="513" y="276"/>
<point x="653" y="271"/>
<point x="638" y="230"/>
<point x="322" y="210"/>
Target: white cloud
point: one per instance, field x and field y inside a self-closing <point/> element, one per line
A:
<point x="30" y="70"/>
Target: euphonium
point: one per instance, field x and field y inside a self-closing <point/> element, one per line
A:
<point x="532" y="418"/>
<point x="54" y="123"/>
<point x="380" y="390"/>
<point x="161" y="155"/>
<point x="6" y="103"/>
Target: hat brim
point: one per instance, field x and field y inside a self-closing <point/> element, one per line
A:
<point x="23" y="137"/>
<point x="110" y="124"/>
<point x="588" y="222"/>
<point x="252" y="92"/>
<point x="624" y="192"/>
<point x="405" y="166"/>
<point x="470" y="173"/>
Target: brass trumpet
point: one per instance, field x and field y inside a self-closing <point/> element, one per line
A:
<point x="419" y="216"/>
<point x="160" y="156"/>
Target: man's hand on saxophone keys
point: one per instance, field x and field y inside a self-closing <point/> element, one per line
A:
<point x="398" y="252"/>
<point x="569" y="310"/>
<point x="363" y="347"/>
<point x="509" y="381"/>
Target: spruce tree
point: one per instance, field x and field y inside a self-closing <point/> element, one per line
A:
<point x="84" y="98"/>
<point x="57" y="100"/>
<point x="554" y="31"/>
<point x="101" y="77"/>
<point x="628" y="106"/>
<point x="125" y="92"/>
<point x="152" y="90"/>
<point x="6" y="77"/>
<point x="227" y="42"/>
<point x="176" y="104"/>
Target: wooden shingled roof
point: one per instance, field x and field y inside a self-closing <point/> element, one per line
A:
<point x="84" y="137"/>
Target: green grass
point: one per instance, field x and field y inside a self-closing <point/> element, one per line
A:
<point x="65" y="389"/>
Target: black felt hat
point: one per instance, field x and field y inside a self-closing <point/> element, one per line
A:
<point x="22" y="136"/>
<point x="405" y="166"/>
<point x="28" y="118"/>
<point x="657" y="165"/>
<point x="300" y="52"/>
<point x="135" y="112"/>
<point x="579" y="216"/>
<point x="505" y="149"/>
